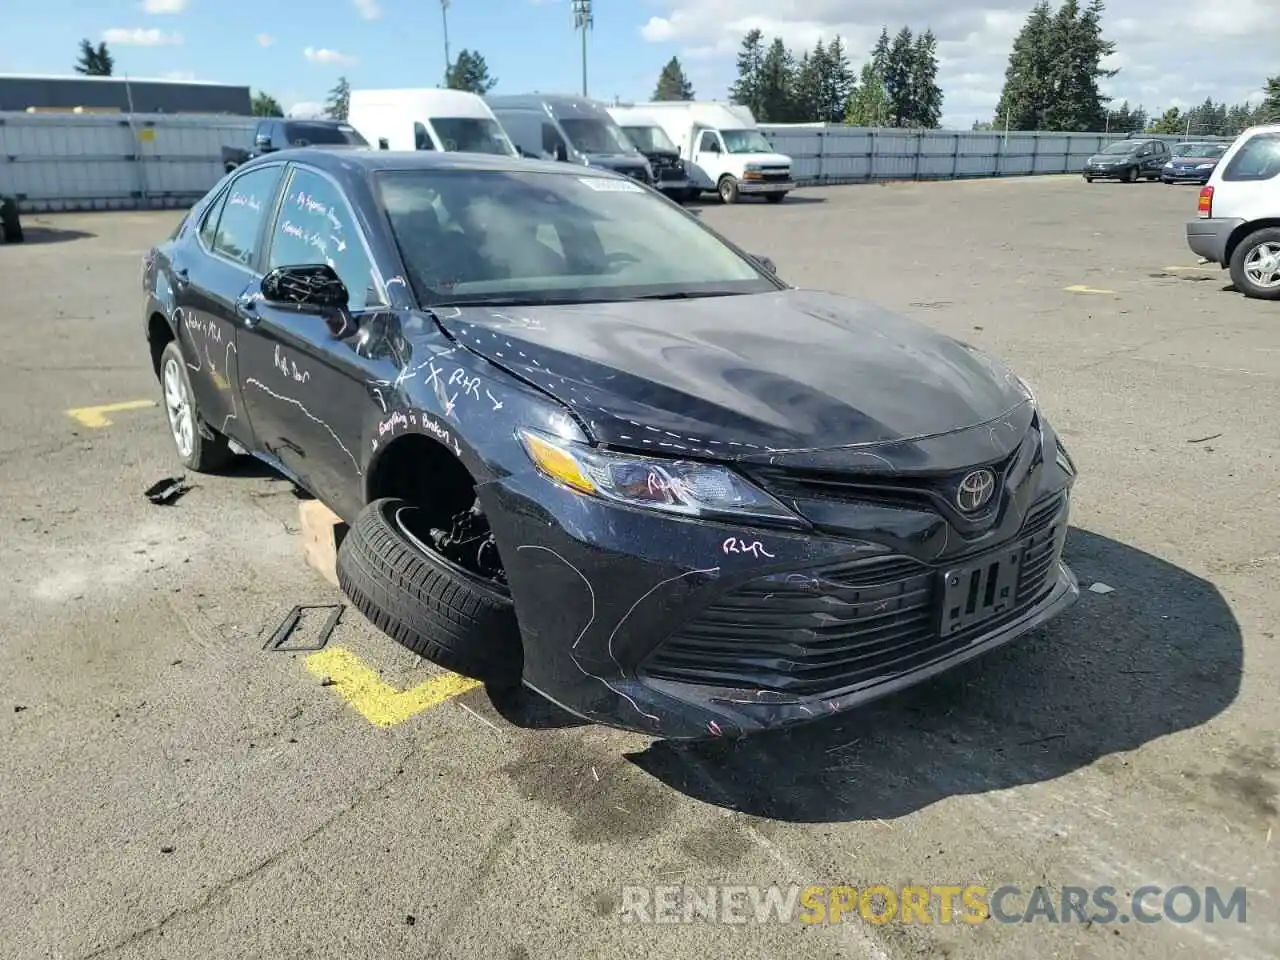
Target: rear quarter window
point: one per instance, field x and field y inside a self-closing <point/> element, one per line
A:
<point x="1257" y="159"/>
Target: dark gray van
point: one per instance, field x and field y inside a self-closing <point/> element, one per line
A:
<point x="570" y="129"/>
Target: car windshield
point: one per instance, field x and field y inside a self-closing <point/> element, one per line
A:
<point x="745" y="141"/>
<point x="649" y="139"/>
<point x="591" y="135"/>
<point x="472" y="135"/>
<point x="1210" y="151"/>
<point x="1120" y="148"/>
<point x="303" y="134"/>
<point x="508" y="237"/>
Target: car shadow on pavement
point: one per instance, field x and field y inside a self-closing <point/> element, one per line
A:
<point x="1161" y="653"/>
<point x="34" y="234"/>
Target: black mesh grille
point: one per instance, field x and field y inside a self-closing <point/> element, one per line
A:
<point x="842" y="627"/>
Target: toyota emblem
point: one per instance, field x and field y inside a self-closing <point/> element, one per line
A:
<point x="975" y="490"/>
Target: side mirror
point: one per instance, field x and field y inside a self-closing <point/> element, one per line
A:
<point x="713" y="148"/>
<point x="314" y="287"/>
<point x="767" y="264"/>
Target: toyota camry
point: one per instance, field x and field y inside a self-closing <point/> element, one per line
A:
<point x="585" y="443"/>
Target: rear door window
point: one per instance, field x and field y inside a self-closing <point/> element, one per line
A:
<point x="1257" y="159"/>
<point x="248" y="203"/>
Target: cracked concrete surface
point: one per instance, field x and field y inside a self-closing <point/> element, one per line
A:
<point x="170" y="789"/>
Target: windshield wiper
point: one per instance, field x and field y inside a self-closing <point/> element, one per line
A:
<point x="688" y="295"/>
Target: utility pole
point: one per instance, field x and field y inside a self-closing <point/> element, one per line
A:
<point x="444" y="20"/>
<point x="583" y="21"/>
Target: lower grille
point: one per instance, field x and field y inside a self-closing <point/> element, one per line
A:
<point x="843" y="627"/>
<point x="670" y="173"/>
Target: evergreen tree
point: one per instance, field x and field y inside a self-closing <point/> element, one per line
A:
<point x="746" y="90"/>
<point x="672" y="83"/>
<point x="339" y="102"/>
<point x="776" y="80"/>
<point x="95" y="61"/>
<point x="869" y="104"/>
<point x="880" y="52"/>
<point x="898" y="72"/>
<point x="926" y="95"/>
<point x="265" y="105"/>
<point x="1269" y="111"/>
<point x="1125" y="120"/>
<point x="1027" y="94"/>
<point x="1239" y="117"/>
<point x="805" y="94"/>
<point x="836" y="84"/>
<point x="469" y="72"/>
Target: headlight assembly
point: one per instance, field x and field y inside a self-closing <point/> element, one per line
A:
<point x="682" y="487"/>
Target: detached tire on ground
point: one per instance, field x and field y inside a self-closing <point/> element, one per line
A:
<point x="10" y="223"/>
<point x="425" y="602"/>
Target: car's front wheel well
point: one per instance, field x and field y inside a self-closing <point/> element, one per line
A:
<point x="424" y="472"/>
<point x="159" y="335"/>
<point x="1242" y="231"/>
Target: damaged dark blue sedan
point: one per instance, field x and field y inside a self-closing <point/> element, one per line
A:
<point x="585" y="443"/>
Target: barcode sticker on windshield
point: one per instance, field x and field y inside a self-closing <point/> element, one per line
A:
<point x="602" y="185"/>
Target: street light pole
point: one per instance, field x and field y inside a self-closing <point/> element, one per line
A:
<point x="582" y="20"/>
<point x="444" y="20"/>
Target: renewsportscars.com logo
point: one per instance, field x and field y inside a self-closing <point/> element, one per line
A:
<point x="941" y="904"/>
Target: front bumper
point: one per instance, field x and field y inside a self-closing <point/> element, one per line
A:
<point x="687" y="629"/>
<point x="1186" y="176"/>
<point x="1207" y="237"/>
<point x="1102" y="173"/>
<point x="766" y="186"/>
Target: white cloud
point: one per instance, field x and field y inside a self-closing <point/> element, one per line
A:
<point x="325" y="55"/>
<point x="179" y="75"/>
<point x="265" y="40"/>
<point x="368" y="9"/>
<point x="140" y="37"/>
<point x="1173" y="56"/>
<point x="163" y="6"/>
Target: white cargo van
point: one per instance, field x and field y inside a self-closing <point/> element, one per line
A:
<point x="426" y="119"/>
<point x="723" y="149"/>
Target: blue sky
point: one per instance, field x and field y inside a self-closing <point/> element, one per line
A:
<point x="530" y="44"/>
<point x="374" y="43"/>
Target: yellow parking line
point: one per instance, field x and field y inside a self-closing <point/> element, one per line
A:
<point x="376" y="700"/>
<point x="1080" y="288"/>
<point x="97" y="416"/>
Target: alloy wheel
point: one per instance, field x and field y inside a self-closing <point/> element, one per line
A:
<point x="177" y="405"/>
<point x="1262" y="265"/>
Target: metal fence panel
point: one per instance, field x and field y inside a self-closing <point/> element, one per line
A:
<point x="87" y="161"/>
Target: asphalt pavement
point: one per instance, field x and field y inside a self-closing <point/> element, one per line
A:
<point x="175" y="788"/>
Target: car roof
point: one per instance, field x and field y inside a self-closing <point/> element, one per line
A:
<point x="366" y="160"/>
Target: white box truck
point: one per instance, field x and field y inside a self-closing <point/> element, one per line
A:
<point x="453" y="121"/>
<point x="723" y="149"/>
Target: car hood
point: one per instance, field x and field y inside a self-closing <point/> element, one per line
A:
<point x="744" y="376"/>
<point x="764" y="159"/>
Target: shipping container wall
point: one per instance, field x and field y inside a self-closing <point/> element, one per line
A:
<point x="102" y="162"/>
<point x="89" y="162"/>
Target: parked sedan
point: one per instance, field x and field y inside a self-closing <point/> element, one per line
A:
<point x="1192" y="162"/>
<point x="1127" y="160"/>
<point x="585" y="443"/>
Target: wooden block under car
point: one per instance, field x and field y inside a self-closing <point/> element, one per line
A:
<point x="322" y="531"/>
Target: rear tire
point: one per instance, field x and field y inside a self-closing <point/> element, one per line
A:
<point x="728" y="189"/>
<point x="198" y="452"/>
<point x="425" y="602"/>
<point x="10" y="223"/>
<point x="1088" y="179"/>
<point x="1246" y="249"/>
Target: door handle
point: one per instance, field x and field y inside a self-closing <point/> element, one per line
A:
<point x="247" y="311"/>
